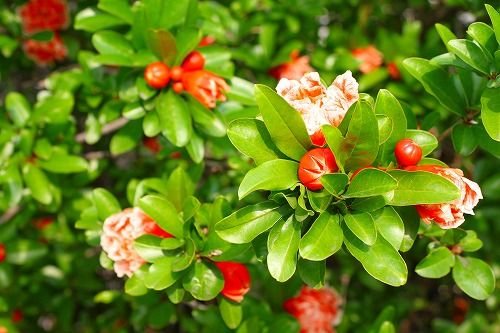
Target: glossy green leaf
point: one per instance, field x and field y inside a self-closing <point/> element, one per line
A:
<point x="334" y="139"/>
<point x="163" y="212"/>
<point x="495" y="20"/>
<point x="196" y="148"/>
<point x="474" y="277"/>
<point x="187" y="40"/>
<point x="175" y="118"/>
<point x="471" y="54"/>
<point x="134" y="285"/>
<point x="389" y="225"/>
<point x="163" y="45"/>
<point x="312" y="273"/>
<point x="424" y="139"/>
<point x="59" y="163"/>
<point x="105" y="203"/>
<point x="247" y="223"/>
<point x="151" y="124"/>
<point x="271" y="175"/>
<point x="370" y="182"/>
<point x="118" y="8"/>
<point x="380" y="260"/>
<point x="24" y="251"/>
<point x="284" y="123"/>
<point x="231" y="313"/>
<point x="464" y="139"/>
<point x="484" y="35"/>
<point x="334" y="183"/>
<point x="206" y="120"/>
<point x="110" y="42"/>
<point x="436" y="264"/>
<point x="126" y="139"/>
<point x="149" y="247"/>
<point x="437" y="83"/>
<point x="283" y="244"/>
<point x="445" y="33"/>
<point x="362" y="225"/>
<point x="160" y="275"/>
<point x="204" y="281"/>
<point x="323" y="238"/>
<point x="18" y="108"/>
<point x="92" y="20"/>
<point x="38" y="183"/>
<point x="251" y="138"/>
<point x="422" y="187"/>
<point x="490" y="112"/>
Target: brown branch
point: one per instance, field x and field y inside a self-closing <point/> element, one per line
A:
<point x="108" y="128"/>
<point x="9" y="214"/>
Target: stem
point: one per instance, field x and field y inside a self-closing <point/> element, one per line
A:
<point x="108" y="128"/>
<point x="10" y="213"/>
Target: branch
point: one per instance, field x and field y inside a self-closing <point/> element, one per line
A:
<point x="108" y="128"/>
<point x="9" y="214"/>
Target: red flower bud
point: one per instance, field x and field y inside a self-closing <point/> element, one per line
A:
<point x="152" y="144"/>
<point x="407" y="152"/>
<point x="206" y="41"/>
<point x="314" y="164"/>
<point x="43" y="222"/>
<point x="393" y="70"/>
<point x="176" y="73"/>
<point x="157" y="75"/>
<point x="236" y="280"/>
<point x="17" y="315"/>
<point x="194" y="61"/>
<point x="177" y="87"/>
<point x="3" y="252"/>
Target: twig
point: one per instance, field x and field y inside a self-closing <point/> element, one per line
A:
<point x="10" y="213"/>
<point x="108" y="128"/>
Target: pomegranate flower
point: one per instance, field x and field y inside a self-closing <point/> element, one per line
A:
<point x="205" y="86"/>
<point x="317" y="104"/>
<point x="292" y="70"/>
<point x="450" y="215"/>
<point x="43" y="15"/>
<point x="236" y="280"/>
<point x="117" y="240"/>
<point x="316" y="310"/>
<point x="370" y="58"/>
<point x="45" y="52"/>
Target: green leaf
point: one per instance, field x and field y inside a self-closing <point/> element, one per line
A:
<point x="283" y="244"/>
<point x="207" y="120"/>
<point x="160" y="275"/>
<point x="387" y="105"/>
<point x="436" y="264"/>
<point x="127" y="138"/>
<point x="241" y="91"/>
<point x="323" y="238"/>
<point x="424" y="139"/>
<point x="163" y="45"/>
<point x="38" y="183"/>
<point x="334" y="139"/>
<point x="196" y="148"/>
<point x="110" y="42"/>
<point x="24" y="251"/>
<point x="105" y="203"/>
<point x="18" y="108"/>
<point x="362" y="225"/>
<point x="163" y="212"/>
<point x="470" y="242"/>
<point x="495" y="20"/>
<point x="360" y="146"/>
<point x="179" y="188"/>
<point x="231" y="313"/>
<point x="175" y="118"/>
<point x="272" y="175"/>
<point x="464" y="139"/>
<point x="471" y="54"/>
<point x="118" y="8"/>
<point x="92" y="20"/>
<point x="151" y="124"/>
<point x="204" y="281"/>
<point x="176" y="292"/>
<point x="412" y="222"/>
<point x="135" y="286"/>
<point x="437" y="83"/>
<point x="422" y="187"/>
<point x="312" y="273"/>
<point x="251" y="138"/>
<point x="370" y="182"/>
<point x="445" y="33"/>
<point x="380" y="260"/>
<point x="60" y="163"/>
<point x="284" y="123"/>
<point x="149" y="247"/>
<point x="484" y="35"/>
<point x="474" y="277"/>
<point x="389" y="225"/>
<point x="187" y="40"/>
<point x="490" y="112"/>
<point x="247" y="223"/>
<point x="334" y="183"/>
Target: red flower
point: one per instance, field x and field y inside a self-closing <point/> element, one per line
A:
<point x="152" y="144"/>
<point x="206" y="41"/>
<point x="236" y="280"/>
<point x="17" y="315"/>
<point x="393" y="70"/>
<point x="370" y="58"/>
<point x="43" y="222"/>
<point x="316" y="310"/>
<point x="42" y="15"/>
<point x="292" y="70"/>
<point x="45" y="52"/>
<point x="451" y="214"/>
<point x="314" y="164"/>
<point x="205" y="86"/>
<point x="3" y="253"/>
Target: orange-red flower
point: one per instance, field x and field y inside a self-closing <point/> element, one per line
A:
<point x="152" y="144"/>
<point x="370" y="58"/>
<point x="42" y="15"/>
<point x="117" y="240"/>
<point x="316" y="310"/>
<point x="317" y="104"/>
<point x="3" y="252"/>
<point x="206" y="41"/>
<point x="292" y="70"/>
<point x="450" y="215"/>
<point x="45" y="52"/>
<point x="393" y="70"/>
<point x="17" y="315"/>
<point x="236" y="280"/>
<point x="43" y="222"/>
<point x="205" y="86"/>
